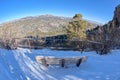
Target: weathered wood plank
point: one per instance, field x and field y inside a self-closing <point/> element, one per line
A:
<point x="56" y="60"/>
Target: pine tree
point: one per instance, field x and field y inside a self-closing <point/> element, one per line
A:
<point x="77" y="28"/>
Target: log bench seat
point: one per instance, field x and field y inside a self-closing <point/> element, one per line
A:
<point x="49" y="60"/>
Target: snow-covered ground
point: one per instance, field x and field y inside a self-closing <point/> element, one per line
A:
<point x="20" y="64"/>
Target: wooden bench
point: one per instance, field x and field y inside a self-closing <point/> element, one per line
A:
<point x="49" y="60"/>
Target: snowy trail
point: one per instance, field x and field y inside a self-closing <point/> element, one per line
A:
<point x="9" y="67"/>
<point x="30" y="67"/>
<point x="20" y="64"/>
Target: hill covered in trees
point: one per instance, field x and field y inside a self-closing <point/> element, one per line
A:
<point x="37" y="25"/>
<point x="44" y="25"/>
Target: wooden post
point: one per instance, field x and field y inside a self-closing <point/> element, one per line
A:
<point x="29" y="44"/>
<point x="15" y="43"/>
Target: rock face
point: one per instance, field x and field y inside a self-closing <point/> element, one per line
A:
<point x="116" y="18"/>
<point x="109" y="31"/>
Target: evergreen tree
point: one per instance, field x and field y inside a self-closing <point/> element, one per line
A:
<point x="77" y="28"/>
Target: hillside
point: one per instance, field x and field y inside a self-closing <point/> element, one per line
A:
<point x="35" y="25"/>
<point x="43" y="25"/>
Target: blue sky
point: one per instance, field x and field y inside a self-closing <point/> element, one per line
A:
<point x="96" y="10"/>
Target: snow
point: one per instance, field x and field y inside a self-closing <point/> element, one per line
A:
<point x="20" y="64"/>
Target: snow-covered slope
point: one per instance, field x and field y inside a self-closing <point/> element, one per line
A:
<point x="20" y="64"/>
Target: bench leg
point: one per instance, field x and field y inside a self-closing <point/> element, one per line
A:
<point x="62" y="63"/>
<point x="46" y="65"/>
<point x="78" y="62"/>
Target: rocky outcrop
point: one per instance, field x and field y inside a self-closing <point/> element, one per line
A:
<point x="116" y="18"/>
<point x="108" y="32"/>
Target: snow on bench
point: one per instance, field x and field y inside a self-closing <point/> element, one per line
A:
<point x="49" y="60"/>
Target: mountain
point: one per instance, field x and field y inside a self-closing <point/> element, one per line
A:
<point x="43" y="25"/>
